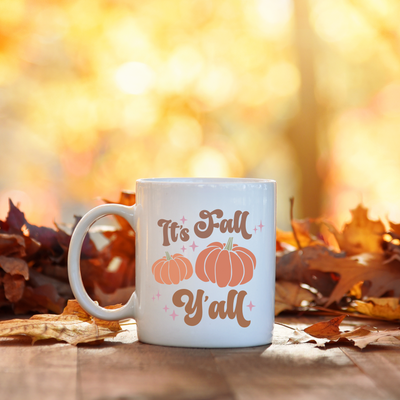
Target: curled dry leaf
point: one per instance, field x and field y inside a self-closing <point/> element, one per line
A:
<point x="327" y="329"/>
<point x="385" y="307"/>
<point x="73" y="326"/>
<point x="14" y="266"/>
<point x="327" y="332"/>
<point x="290" y="295"/>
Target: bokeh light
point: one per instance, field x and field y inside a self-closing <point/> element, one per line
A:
<point x="96" y="94"/>
<point x="134" y="77"/>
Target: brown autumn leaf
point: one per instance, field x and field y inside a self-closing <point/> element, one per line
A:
<point x="41" y="299"/>
<point x="12" y="245"/>
<point x="47" y="237"/>
<point x="14" y="286"/>
<point x="14" y="266"/>
<point x="368" y="267"/>
<point x="119" y="253"/>
<point x="290" y="295"/>
<point x="88" y="250"/>
<point x="319" y="333"/>
<point x="386" y="307"/>
<point x="329" y="332"/>
<point x="73" y="326"/>
<point x="126" y="198"/>
<point x="326" y="329"/>
<point x="15" y="219"/>
<point x="295" y="267"/>
<point x="360" y="235"/>
<point x="300" y="236"/>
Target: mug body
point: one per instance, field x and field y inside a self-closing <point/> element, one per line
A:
<point x="205" y="261"/>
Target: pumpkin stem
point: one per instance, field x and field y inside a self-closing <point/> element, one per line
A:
<point x="168" y="256"/>
<point x="229" y="245"/>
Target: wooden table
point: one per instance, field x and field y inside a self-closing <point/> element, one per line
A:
<point x="125" y="369"/>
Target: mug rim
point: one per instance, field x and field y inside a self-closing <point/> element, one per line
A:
<point x="204" y="181"/>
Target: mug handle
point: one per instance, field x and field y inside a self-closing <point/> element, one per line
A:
<point x="74" y="271"/>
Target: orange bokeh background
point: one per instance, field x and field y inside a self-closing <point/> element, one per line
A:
<point x="95" y="94"/>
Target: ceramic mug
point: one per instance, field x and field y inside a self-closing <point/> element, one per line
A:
<point x="205" y="261"/>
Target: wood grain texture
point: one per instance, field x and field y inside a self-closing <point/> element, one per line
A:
<point x="300" y="371"/>
<point x="46" y="371"/>
<point x="381" y="364"/>
<point x="144" y="371"/>
<point x="123" y="368"/>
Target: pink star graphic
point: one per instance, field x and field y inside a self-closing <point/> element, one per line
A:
<point x="193" y="246"/>
<point x="183" y="248"/>
<point x="183" y="219"/>
<point x="251" y="306"/>
<point x="173" y="315"/>
<point x="255" y="229"/>
<point x="158" y="295"/>
<point x="153" y="298"/>
<point x="261" y="226"/>
<point x="166" y="308"/>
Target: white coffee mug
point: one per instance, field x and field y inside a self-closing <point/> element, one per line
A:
<point x="205" y="261"/>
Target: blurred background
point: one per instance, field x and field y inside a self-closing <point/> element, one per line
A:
<point x="95" y="94"/>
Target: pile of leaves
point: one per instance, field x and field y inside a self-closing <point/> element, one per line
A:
<point x="33" y="264"/>
<point x="353" y="271"/>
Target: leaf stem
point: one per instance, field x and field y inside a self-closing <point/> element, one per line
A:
<point x="169" y="258"/>
<point x="285" y="326"/>
<point x="292" y="224"/>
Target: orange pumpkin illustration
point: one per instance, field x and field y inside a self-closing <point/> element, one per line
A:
<point x="172" y="269"/>
<point x="225" y="265"/>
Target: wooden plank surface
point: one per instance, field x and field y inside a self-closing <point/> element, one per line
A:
<point x="144" y="371"/>
<point x="123" y="368"/>
<point x="45" y="372"/>
<point x="298" y="372"/>
<point x="381" y="364"/>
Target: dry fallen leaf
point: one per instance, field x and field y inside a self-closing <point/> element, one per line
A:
<point x="14" y="266"/>
<point x="290" y="295"/>
<point x="326" y="329"/>
<point x="303" y="236"/>
<point x="73" y="326"/>
<point x="360" y="235"/>
<point x="12" y="245"/>
<point x="295" y="267"/>
<point x="126" y="198"/>
<point x="371" y="267"/>
<point x="327" y="332"/>
<point x="385" y="307"/>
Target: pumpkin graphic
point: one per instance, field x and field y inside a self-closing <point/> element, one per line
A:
<point x="225" y="265"/>
<point x="172" y="269"/>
